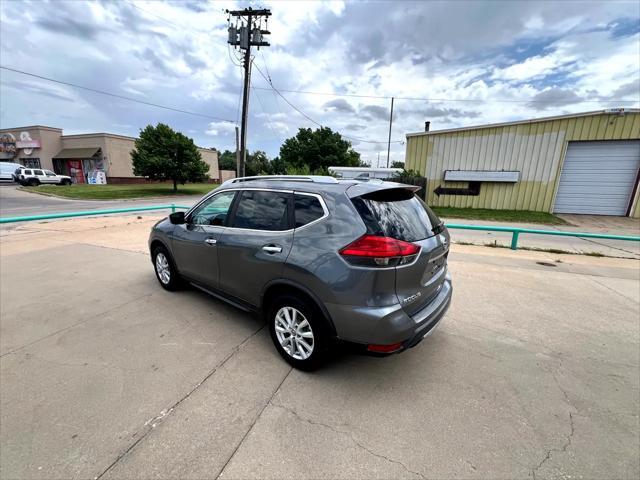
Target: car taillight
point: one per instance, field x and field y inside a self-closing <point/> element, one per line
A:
<point x="375" y="251"/>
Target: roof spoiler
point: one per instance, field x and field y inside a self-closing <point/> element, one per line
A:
<point x="359" y="189"/>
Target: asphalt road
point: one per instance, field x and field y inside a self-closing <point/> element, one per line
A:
<point x="15" y="202"/>
<point x="534" y="373"/>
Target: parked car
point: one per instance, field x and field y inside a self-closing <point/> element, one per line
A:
<point x="7" y="171"/>
<point x="323" y="259"/>
<point x="35" y="176"/>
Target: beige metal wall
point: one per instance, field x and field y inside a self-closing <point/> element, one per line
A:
<point x="536" y="149"/>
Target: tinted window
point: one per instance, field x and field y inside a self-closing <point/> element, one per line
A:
<point x="307" y="209"/>
<point x="27" y="172"/>
<point x="37" y="172"/>
<point x="262" y="211"/>
<point x="49" y="173"/>
<point x="396" y="213"/>
<point x="214" y="210"/>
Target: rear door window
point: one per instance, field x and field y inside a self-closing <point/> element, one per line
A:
<point x="396" y="213"/>
<point x="262" y="210"/>
<point x="307" y="209"/>
<point x="27" y="172"/>
<point x="38" y="172"/>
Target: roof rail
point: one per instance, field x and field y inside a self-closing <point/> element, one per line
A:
<point x="290" y="178"/>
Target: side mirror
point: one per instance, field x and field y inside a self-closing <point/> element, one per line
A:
<point x="177" y="218"/>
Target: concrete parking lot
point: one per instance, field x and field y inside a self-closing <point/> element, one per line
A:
<point x="534" y="373"/>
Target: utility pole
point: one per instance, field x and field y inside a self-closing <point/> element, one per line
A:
<point x="390" y="125"/>
<point x="247" y="32"/>
<point x="237" y="152"/>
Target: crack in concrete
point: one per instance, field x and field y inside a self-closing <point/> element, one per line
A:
<point x="569" y="438"/>
<point x="150" y="424"/>
<point x="246" y="434"/>
<point x="562" y="449"/>
<point x="88" y="319"/>
<point x="349" y="435"/>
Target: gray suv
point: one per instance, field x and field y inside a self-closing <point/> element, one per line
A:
<point x="324" y="260"/>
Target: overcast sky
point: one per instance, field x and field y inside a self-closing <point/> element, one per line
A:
<point x="546" y="58"/>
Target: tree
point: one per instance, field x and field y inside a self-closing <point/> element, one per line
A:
<point x="318" y="150"/>
<point x="163" y="154"/>
<point x="397" y="164"/>
<point x="227" y="160"/>
<point x="257" y="164"/>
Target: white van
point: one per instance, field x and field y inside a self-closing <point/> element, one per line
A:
<point x="7" y="171"/>
<point x="364" y="173"/>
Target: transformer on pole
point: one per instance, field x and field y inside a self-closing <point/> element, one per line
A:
<point x="245" y="33"/>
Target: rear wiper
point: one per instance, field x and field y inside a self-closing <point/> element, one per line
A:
<point x="438" y="228"/>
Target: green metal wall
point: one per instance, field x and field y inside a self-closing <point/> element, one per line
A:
<point x="536" y="149"/>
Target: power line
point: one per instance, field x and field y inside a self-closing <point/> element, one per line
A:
<point x="115" y="95"/>
<point x="276" y="137"/>
<point x="184" y="28"/>
<point x="308" y="117"/>
<point x="421" y="99"/>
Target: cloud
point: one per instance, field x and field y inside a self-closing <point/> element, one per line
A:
<point x="339" y="105"/>
<point x="220" y="128"/>
<point x="375" y="111"/>
<point x="630" y="89"/>
<point x="174" y="53"/>
<point x="553" y="97"/>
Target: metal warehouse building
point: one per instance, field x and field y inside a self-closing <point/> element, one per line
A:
<point x="586" y="163"/>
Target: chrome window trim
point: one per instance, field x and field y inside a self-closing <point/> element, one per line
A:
<point x="264" y="189"/>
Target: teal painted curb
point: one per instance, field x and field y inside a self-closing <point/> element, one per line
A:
<point x="86" y="213"/>
<point x="515" y="231"/>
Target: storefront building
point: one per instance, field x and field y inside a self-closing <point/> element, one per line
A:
<point x="79" y="155"/>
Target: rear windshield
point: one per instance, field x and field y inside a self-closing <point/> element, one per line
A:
<point x="397" y="213"/>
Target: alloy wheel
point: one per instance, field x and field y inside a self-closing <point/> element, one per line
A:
<point x="163" y="269"/>
<point x="294" y="333"/>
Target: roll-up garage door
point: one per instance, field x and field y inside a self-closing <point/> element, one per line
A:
<point x="598" y="177"/>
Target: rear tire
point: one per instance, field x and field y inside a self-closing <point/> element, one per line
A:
<point x="165" y="269"/>
<point x="298" y="331"/>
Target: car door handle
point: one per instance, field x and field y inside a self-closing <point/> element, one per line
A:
<point x="210" y="241"/>
<point x="272" y="249"/>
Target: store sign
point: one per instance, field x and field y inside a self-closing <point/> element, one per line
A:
<point x="26" y="143"/>
<point x="7" y="145"/>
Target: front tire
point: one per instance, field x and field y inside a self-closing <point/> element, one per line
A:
<point x="165" y="269"/>
<point x="65" y="182"/>
<point x="299" y="332"/>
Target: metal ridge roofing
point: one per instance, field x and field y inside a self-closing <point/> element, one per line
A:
<point x="520" y="122"/>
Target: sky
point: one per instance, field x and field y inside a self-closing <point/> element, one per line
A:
<point x="455" y="64"/>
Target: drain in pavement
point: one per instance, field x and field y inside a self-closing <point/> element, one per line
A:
<point x="547" y="264"/>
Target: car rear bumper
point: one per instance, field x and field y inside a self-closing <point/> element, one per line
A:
<point x="390" y="324"/>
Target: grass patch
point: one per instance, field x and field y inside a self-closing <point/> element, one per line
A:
<point x="118" y="192"/>
<point x="517" y="216"/>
